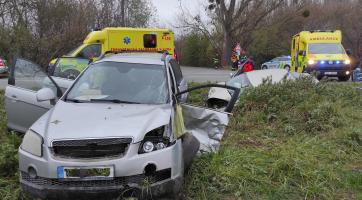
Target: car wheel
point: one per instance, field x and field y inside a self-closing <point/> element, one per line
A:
<point x="264" y="67"/>
<point x="343" y="78"/>
<point x="190" y="146"/>
<point x="71" y="74"/>
<point x="287" y="67"/>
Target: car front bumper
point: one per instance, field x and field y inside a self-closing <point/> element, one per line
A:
<point x="3" y="71"/>
<point x="128" y="175"/>
<point x="121" y="187"/>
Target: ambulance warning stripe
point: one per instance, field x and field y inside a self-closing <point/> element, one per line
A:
<point x="140" y="49"/>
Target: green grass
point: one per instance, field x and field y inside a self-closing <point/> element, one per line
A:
<point x="9" y="143"/>
<point x="293" y="140"/>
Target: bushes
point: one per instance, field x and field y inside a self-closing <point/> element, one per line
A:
<point x="291" y="107"/>
<point x="195" y="50"/>
<point x="291" y="140"/>
<point x="8" y="155"/>
<point x="9" y="143"/>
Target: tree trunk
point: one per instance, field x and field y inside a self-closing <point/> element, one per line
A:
<point x="226" y="49"/>
<point x="123" y="11"/>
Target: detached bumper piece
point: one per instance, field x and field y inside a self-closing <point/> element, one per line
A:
<point x="139" y="186"/>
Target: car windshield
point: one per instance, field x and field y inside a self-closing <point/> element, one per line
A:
<point x="325" y="49"/>
<point x="121" y="83"/>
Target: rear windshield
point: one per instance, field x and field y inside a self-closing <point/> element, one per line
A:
<point x="150" y="40"/>
<point x="326" y="49"/>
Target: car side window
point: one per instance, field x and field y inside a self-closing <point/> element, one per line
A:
<point x="150" y="40"/>
<point x="91" y="51"/>
<point x="177" y="71"/>
<point x="30" y="76"/>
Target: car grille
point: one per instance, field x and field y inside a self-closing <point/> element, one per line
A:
<point x="91" y="148"/>
<point x="117" y="181"/>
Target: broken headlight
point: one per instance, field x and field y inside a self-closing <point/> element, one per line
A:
<point x="32" y="143"/>
<point x="156" y="139"/>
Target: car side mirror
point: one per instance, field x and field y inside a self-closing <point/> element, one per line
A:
<point x="92" y="59"/>
<point x="45" y="94"/>
<point x="349" y="52"/>
<point x="301" y="53"/>
<point x="234" y="96"/>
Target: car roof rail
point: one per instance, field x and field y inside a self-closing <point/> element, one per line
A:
<point x="319" y="31"/>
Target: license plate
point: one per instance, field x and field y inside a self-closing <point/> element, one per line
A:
<point x="330" y="73"/>
<point x="85" y="172"/>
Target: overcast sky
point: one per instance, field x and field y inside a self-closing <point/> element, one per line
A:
<point x="167" y="10"/>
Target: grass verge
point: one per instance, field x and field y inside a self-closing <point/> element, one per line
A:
<point x="292" y="140"/>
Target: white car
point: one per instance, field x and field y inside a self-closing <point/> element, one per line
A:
<point x="120" y="130"/>
<point x="282" y="62"/>
<point x="218" y="98"/>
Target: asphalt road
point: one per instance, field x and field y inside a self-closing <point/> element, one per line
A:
<point x="200" y="74"/>
<point x="195" y="74"/>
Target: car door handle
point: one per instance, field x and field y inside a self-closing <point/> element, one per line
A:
<point x="14" y="96"/>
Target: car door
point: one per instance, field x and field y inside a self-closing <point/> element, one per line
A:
<point x="206" y="124"/>
<point x="22" y="107"/>
<point x="180" y="80"/>
<point x="274" y="63"/>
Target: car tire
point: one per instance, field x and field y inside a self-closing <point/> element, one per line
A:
<point x="287" y="67"/>
<point x="71" y="74"/>
<point x="190" y="146"/>
<point x="343" y="78"/>
<point x="264" y="67"/>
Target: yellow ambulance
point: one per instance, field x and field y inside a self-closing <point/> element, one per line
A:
<point x="322" y="53"/>
<point x="116" y="40"/>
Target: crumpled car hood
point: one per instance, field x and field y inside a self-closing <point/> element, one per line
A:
<point x="100" y="120"/>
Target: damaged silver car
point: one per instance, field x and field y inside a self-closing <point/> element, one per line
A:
<point x="122" y="129"/>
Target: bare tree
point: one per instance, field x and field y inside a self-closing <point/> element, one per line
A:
<point x="230" y="20"/>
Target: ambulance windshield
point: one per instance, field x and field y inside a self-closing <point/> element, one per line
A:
<point x="72" y="51"/>
<point x="332" y="48"/>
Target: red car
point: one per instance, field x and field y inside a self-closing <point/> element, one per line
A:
<point x="3" y="68"/>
